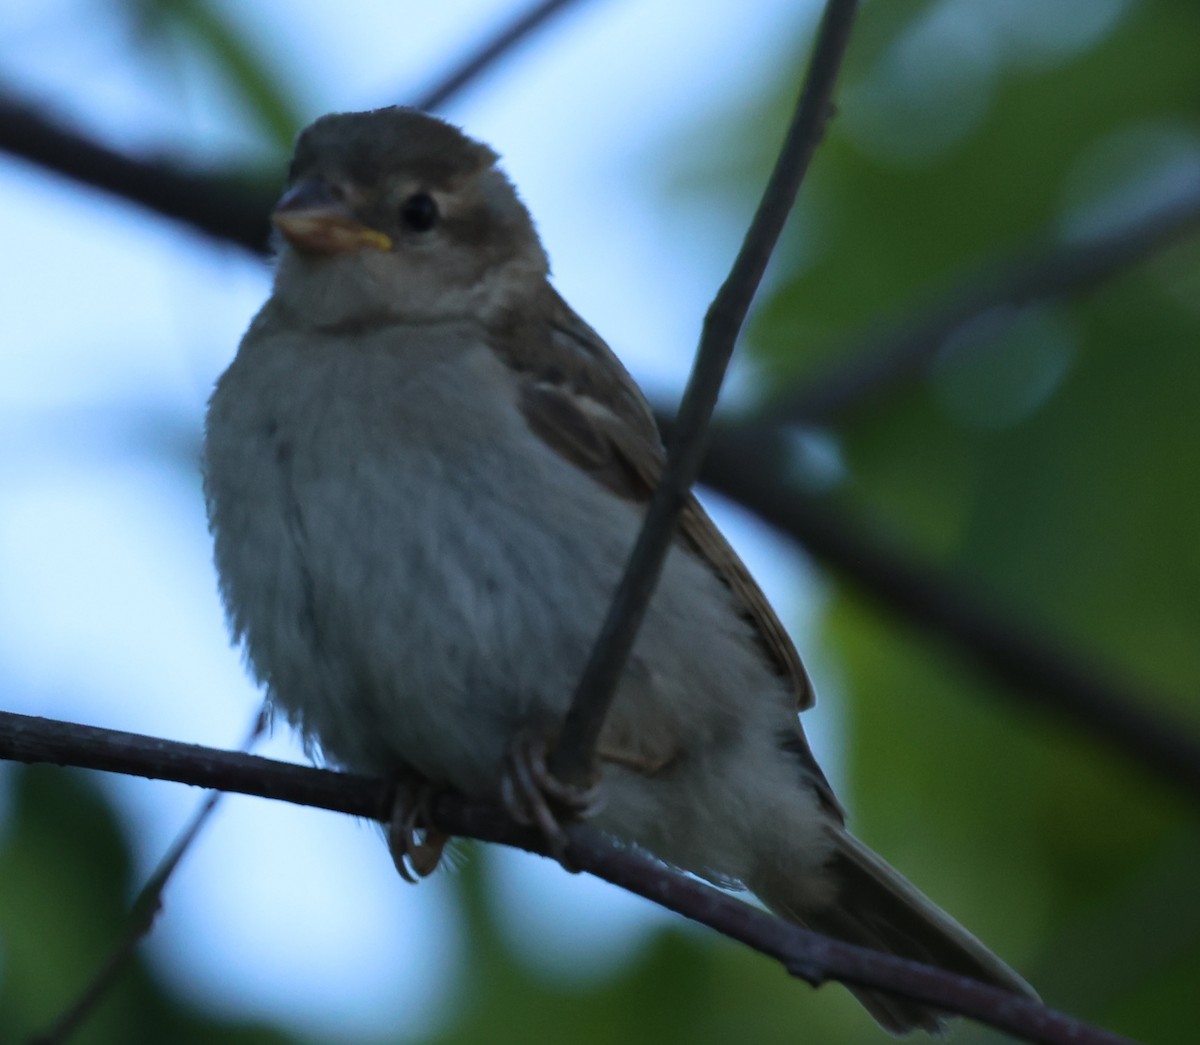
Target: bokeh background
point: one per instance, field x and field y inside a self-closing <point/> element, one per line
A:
<point x="1047" y="455"/>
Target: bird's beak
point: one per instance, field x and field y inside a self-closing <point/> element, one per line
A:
<point x="314" y="221"/>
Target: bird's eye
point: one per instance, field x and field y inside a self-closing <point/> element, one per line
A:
<point x="419" y="212"/>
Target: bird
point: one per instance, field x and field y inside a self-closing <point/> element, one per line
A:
<point x="424" y="475"/>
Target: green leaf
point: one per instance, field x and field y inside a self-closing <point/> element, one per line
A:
<point x="262" y="92"/>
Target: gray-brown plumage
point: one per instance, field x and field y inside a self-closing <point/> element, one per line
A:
<point x="424" y="475"/>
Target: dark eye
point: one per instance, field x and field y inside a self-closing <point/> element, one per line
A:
<point x="419" y="212"/>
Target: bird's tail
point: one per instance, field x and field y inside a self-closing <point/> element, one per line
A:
<point x="874" y="906"/>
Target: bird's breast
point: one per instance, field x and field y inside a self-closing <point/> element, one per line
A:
<point x="411" y="569"/>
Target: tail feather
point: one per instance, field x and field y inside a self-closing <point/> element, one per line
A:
<point x="875" y="907"/>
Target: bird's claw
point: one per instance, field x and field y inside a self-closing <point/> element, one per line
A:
<point x="416" y="846"/>
<point x="535" y="797"/>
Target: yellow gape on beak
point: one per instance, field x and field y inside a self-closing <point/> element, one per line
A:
<point x="314" y="221"/>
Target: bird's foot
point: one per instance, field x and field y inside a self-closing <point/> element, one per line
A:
<point x="535" y="797"/>
<point x="416" y="846"/>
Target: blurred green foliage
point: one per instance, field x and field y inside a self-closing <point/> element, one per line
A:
<point x="241" y="63"/>
<point x="66" y="871"/>
<point x="1051" y="456"/>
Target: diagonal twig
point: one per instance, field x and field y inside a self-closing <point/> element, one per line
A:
<point x="142" y="915"/>
<point x="573" y="755"/>
<point x="804" y="954"/>
<point x="479" y="61"/>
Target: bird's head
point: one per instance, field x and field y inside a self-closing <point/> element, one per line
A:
<point x="396" y="215"/>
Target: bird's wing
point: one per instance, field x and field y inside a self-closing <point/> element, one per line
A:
<point x="579" y="399"/>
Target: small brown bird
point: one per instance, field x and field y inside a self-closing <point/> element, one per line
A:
<point x="424" y="475"/>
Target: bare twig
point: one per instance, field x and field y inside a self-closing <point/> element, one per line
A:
<point x="479" y="61"/>
<point x="872" y="364"/>
<point x="750" y="466"/>
<point x="142" y="914"/>
<point x="572" y="758"/>
<point x="807" y="955"/>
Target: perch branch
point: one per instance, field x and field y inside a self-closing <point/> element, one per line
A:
<point x="807" y="955"/>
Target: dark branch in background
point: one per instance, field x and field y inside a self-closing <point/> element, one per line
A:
<point x="572" y="759"/>
<point x="221" y="207"/>
<point x="225" y="207"/>
<point x="750" y="466"/>
<point x="870" y="366"/>
<point x="501" y="45"/>
<point x="804" y="954"/>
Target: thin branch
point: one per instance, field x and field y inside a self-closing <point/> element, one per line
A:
<point x="143" y="913"/>
<point x="142" y="916"/>
<point x="807" y="955"/>
<point x="871" y="365"/>
<point x="573" y="756"/>
<point x="750" y="466"/>
<point x="479" y="61"/>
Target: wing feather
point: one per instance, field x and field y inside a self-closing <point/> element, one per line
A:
<point x="580" y="399"/>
